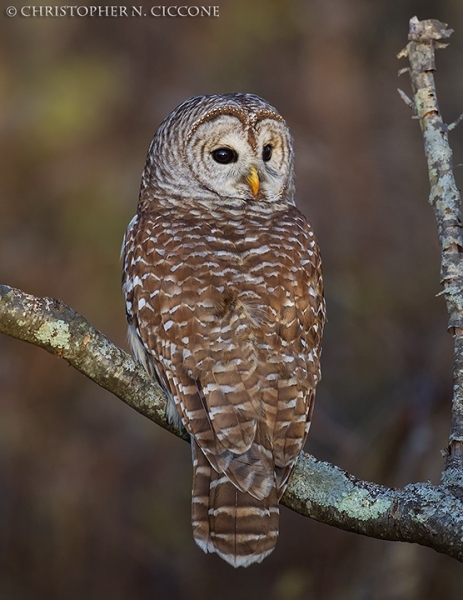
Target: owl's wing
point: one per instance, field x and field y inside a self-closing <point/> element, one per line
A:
<point x="189" y="336"/>
<point x="241" y="368"/>
<point x="299" y="308"/>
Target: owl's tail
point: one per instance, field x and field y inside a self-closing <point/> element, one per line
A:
<point x="239" y="528"/>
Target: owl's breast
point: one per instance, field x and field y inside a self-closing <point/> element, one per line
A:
<point x="253" y="269"/>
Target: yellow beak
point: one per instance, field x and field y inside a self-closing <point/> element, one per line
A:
<point x="253" y="180"/>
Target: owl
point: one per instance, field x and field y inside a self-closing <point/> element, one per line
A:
<point x="224" y="298"/>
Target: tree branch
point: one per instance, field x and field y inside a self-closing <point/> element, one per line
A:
<point x="425" y="37"/>
<point x="53" y="326"/>
<point x="420" y="512"/>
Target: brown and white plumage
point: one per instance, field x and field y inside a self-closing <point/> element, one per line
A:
<point x="224" y="299"/>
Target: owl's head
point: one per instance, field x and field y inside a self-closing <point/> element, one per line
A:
<point x="233" y="146"/>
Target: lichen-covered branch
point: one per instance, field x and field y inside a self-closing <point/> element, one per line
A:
<point x="424" y="37"/>
<point x="52" y="325"/>
<point x="421" y="513"/>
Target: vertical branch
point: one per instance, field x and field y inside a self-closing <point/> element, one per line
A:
<point x="424" y="37"/>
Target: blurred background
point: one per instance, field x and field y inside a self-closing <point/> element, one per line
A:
<point x="94" y="498"/>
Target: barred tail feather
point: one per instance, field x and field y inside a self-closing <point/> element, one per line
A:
<point x="239" y="528"/>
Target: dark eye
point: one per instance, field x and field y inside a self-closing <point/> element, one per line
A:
<point x="267" y="153"/>
<point x="224" y="156"/>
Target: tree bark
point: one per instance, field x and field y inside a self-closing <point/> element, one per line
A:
<point x="444" y="197"/>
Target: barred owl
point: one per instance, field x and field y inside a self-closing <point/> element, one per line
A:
<point x="224" y="298"/>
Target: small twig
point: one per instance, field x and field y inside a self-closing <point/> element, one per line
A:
<point x="425" y="37"/>
<point x="454" y="124"/>
<point x="408" y="101"/>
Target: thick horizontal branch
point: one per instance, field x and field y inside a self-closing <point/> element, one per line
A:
<point x="420" y="513"/>
<point x="53" y="326"/>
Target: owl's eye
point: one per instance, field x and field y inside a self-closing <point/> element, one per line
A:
<point x="267" y="153"/>
<point x="224" y="156"/>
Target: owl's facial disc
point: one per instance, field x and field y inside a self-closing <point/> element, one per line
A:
<point x="241" y="161"/>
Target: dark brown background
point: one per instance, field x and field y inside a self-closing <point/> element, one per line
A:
<point x="94" y="498"/>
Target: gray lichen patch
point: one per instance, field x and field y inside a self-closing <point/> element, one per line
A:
<point x="322" y="484"/>
<point x="56" y="334"/>
<point x="107" y="352"/>
<point x="358" y="504"/>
